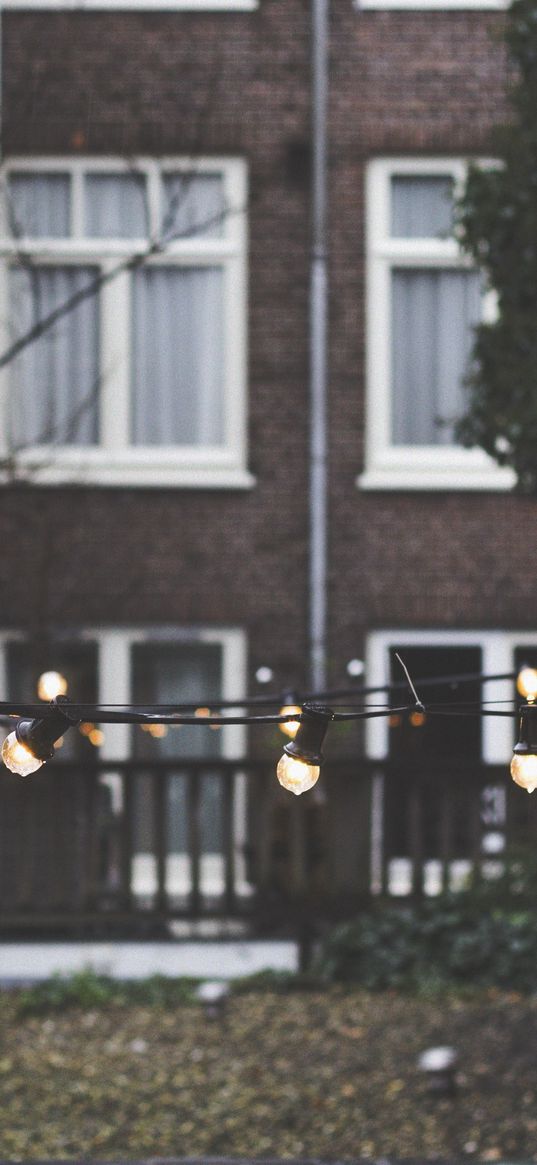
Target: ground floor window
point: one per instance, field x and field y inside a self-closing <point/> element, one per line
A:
<point x="149" y="666"/>
<point x="433" y="818"/>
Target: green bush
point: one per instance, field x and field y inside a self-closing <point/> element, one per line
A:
<point x="453" y="940"/>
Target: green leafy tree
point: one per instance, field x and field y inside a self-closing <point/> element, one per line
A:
<point x="497" y="217"/>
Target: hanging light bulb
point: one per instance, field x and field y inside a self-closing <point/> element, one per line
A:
<point x="299" y="767"/>
<point x="50" y="685"/>
<point x="290" y="707"/>
<point x="32" y="742"/>
<point x="18" y="758"/>
<point x="524" y="762"/>
<point x="527" y="683"/>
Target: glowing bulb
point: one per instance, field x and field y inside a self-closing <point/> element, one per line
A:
<point x="291" y="727"/>
<point x="18" y="758"/>
<point x="295" y="775"/>
<point x="50" y="685"/>
<point x="524" y="771"/>
<point x="96" y="737"/>
<point x="527" y="683"/>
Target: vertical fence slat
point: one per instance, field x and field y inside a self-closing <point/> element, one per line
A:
<point x="415" y="833"/>
<point x="160" y="786"/>
<point x="228" y="806"/>
<point x="194" y="846"/>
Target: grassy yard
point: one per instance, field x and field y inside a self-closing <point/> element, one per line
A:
<point x="324" y="1073"/>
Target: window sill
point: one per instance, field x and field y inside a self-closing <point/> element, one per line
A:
<point x="425" y="472"/>
<point x="430" y="5"/>
<point x="136" y="5"/>
<point x="94" y="469"/>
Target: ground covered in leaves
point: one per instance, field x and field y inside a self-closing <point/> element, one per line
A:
<point x="325" y="1073"/>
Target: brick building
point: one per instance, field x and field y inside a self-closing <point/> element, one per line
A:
<point x="155" y="513"/>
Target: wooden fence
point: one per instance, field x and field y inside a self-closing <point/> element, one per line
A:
<point x="132" y="847"/>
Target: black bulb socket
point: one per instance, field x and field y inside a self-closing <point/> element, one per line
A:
<point x="40" y="736"/>
<point x="306" y="746"/>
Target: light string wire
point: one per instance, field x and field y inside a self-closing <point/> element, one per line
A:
<point x="198" y="714"/>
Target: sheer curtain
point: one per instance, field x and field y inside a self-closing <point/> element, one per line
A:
<point x="115" y="206"/>
<point x="432" y="317"/>
<point x="39" y="205"/>
<point x="434" y="310"/>
<point x="54" y="382"/>
<point x="177" y="353"/>
<point x="422" y="206"/>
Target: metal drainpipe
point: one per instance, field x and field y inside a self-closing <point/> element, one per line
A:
<point x="318" y="352"/>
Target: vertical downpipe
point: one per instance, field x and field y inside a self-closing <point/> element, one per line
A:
<point x="318" y="351"/>
<point x="318" y="411"/>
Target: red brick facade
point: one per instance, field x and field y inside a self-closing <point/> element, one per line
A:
<point x="238" y="83"/>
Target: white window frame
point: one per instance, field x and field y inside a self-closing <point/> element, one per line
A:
<point x="113" y="461"/>
<point x="389" y="466"/>
<point x="438" y="5"/>
<point x="114" y="672"/>
<point x="147" y="5"/>
<point x="498" y="658"/>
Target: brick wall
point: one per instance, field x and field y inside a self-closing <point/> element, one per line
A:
<point x="128" y="83"/>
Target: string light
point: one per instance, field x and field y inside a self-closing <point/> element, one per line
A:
<point x="290" y="707"/>
<point x="39" y="730"/>
<point x="50" y="685"/>
<point x="26" y="749"/>
<point x="527" y="683"/>
<point x="524" y="762"/>
<point x="299" y="768"/>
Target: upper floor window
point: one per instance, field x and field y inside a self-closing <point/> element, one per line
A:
<point x="138" y="273"/>
<point x="424" y="300"/>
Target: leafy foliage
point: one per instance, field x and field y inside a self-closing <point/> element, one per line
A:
<point x="86" y="990"/>
<point x="483" y="937"/>
<point x="497" y="218"/>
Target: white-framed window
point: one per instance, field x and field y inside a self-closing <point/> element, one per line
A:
<point x="423" y="301"/>
<point x="439" y="5"/>
<point x="143" y="382"/>
<point x="427" y="654"/>
<point x="150" y="665"/>
<point x="148" y="5"/>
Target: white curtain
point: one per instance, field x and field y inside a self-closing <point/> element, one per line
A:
<point x="39" y="205"/>
<point x="115" y="206"/>
<point x="193" y="205"/>
<point x="421" y="206"/>
<point x="54" y="382"/>
<point x="177" y="356"/>
<point x="433" y="312"/>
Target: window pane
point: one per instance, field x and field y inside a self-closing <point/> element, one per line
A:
<point x="165" y="673"/>
<point x="193" y="205"/>
<point x="115" y="206"/>
<point x="177" y="356"/>
<point x="39" y="205"/>
<point x="54" y="382"/>
<point x="433" y="315"/>
<point x="422" y="207"/>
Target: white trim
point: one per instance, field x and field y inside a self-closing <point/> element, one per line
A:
<point x="498" y="650"/>
<point x="400" y="467"/>
<point x="438" y="5"/>
<point x="114" y="461"/>
<point x="147" y="5"/>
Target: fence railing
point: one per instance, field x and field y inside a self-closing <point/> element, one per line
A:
<point x="135" y="846"/>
